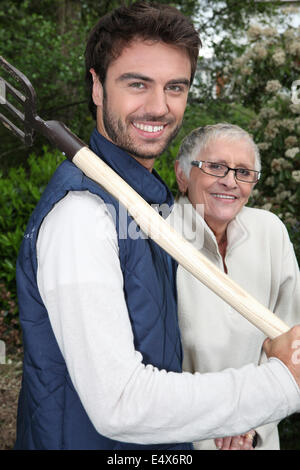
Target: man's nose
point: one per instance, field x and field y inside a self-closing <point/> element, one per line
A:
<point x="157" y="103"/>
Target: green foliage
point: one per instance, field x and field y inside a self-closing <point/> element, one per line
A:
<point x="46" y="41"/>
<point x="289" y="431"/>
<point x="263" y="76"/>
<point x="9" y="322"/>
<point x="20" y="191"/>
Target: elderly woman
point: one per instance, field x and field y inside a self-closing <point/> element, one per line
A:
<point x="216" y="169"/>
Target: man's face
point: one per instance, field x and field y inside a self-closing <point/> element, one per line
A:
<point x="142" y="106"/>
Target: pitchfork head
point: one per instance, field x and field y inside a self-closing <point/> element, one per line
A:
<point x="58" y="134"/>
<point x="26" y="98"/>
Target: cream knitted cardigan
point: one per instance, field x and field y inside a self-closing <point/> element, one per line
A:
<point x="259" y="257"/>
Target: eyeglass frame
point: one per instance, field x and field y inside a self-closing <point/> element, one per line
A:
<point x="198" y="163"/>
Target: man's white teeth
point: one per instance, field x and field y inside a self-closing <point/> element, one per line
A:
<point x="223" y="196"/>
<point x="148" y="128"/>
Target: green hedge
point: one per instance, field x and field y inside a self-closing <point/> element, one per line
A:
<point x="20" y="191"/>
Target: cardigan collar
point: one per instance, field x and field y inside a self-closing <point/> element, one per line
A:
<point x="147" y="184"/>
<point x="192" y="226"/>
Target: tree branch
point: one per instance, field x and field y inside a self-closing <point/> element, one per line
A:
<point x="280" y="3"/>
<point x="50" y="110"/>
<point x="21" y="147"/>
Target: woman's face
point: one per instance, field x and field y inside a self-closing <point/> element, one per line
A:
<point x="222" y="198"/>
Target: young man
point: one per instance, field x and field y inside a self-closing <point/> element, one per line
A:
<point x="102" y="351"/>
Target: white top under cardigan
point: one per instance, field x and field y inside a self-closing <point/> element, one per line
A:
<point x="81" y="284"/>
<point x="261" y="259"/>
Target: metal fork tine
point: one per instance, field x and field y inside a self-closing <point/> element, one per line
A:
<point x="27" y="99"/>
<point x="20" y="78"/>
<point x="14" y="111"/>
<point x="13" y="91"/>
<point x="7" y="123"/>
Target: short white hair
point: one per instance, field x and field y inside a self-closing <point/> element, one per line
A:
<point x="199" y="139"/>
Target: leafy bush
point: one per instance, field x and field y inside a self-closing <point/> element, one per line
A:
<point x="20" y="190"/>
<point x="289" y="432"/>
<point x="263" y="78"/>
<point x="9" y="322"/>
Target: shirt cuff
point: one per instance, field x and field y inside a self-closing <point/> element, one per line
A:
<point x="287" y="383"/>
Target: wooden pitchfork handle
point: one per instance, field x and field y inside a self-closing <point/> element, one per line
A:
<point x="150" y="222"/>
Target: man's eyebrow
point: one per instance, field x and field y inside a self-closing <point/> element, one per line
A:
<point x="144" y="78"/>
<point x="179" y="81"/>
<point x="134" y="76"/>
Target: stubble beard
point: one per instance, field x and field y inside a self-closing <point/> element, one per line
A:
<point x="118" y="134"/>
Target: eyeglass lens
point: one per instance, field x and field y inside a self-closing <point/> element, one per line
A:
<point x="218" y="169"/>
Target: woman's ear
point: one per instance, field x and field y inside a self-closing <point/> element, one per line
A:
<point x="97" y="89"/>
<point x="181" y="178"/>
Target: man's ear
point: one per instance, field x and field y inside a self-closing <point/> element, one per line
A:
<point x="97" y="89"/>
<point x="181" y="178"/>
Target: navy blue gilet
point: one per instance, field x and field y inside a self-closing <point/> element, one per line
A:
<point x="50" y="413"/>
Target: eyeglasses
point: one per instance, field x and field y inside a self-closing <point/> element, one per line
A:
<point x="220" y="170"/>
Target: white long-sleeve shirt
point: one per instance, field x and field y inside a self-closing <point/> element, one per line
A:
<point x="80" y="282"/>
<point x="261" y="259"/>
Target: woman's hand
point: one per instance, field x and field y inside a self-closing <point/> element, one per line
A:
<point x="242" y="442"/>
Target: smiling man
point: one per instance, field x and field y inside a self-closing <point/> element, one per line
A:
<point x="141" y="104"/>
<point x="102" y="349"/>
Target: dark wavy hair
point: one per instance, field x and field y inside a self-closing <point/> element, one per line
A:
<point x="143" y="20"/>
